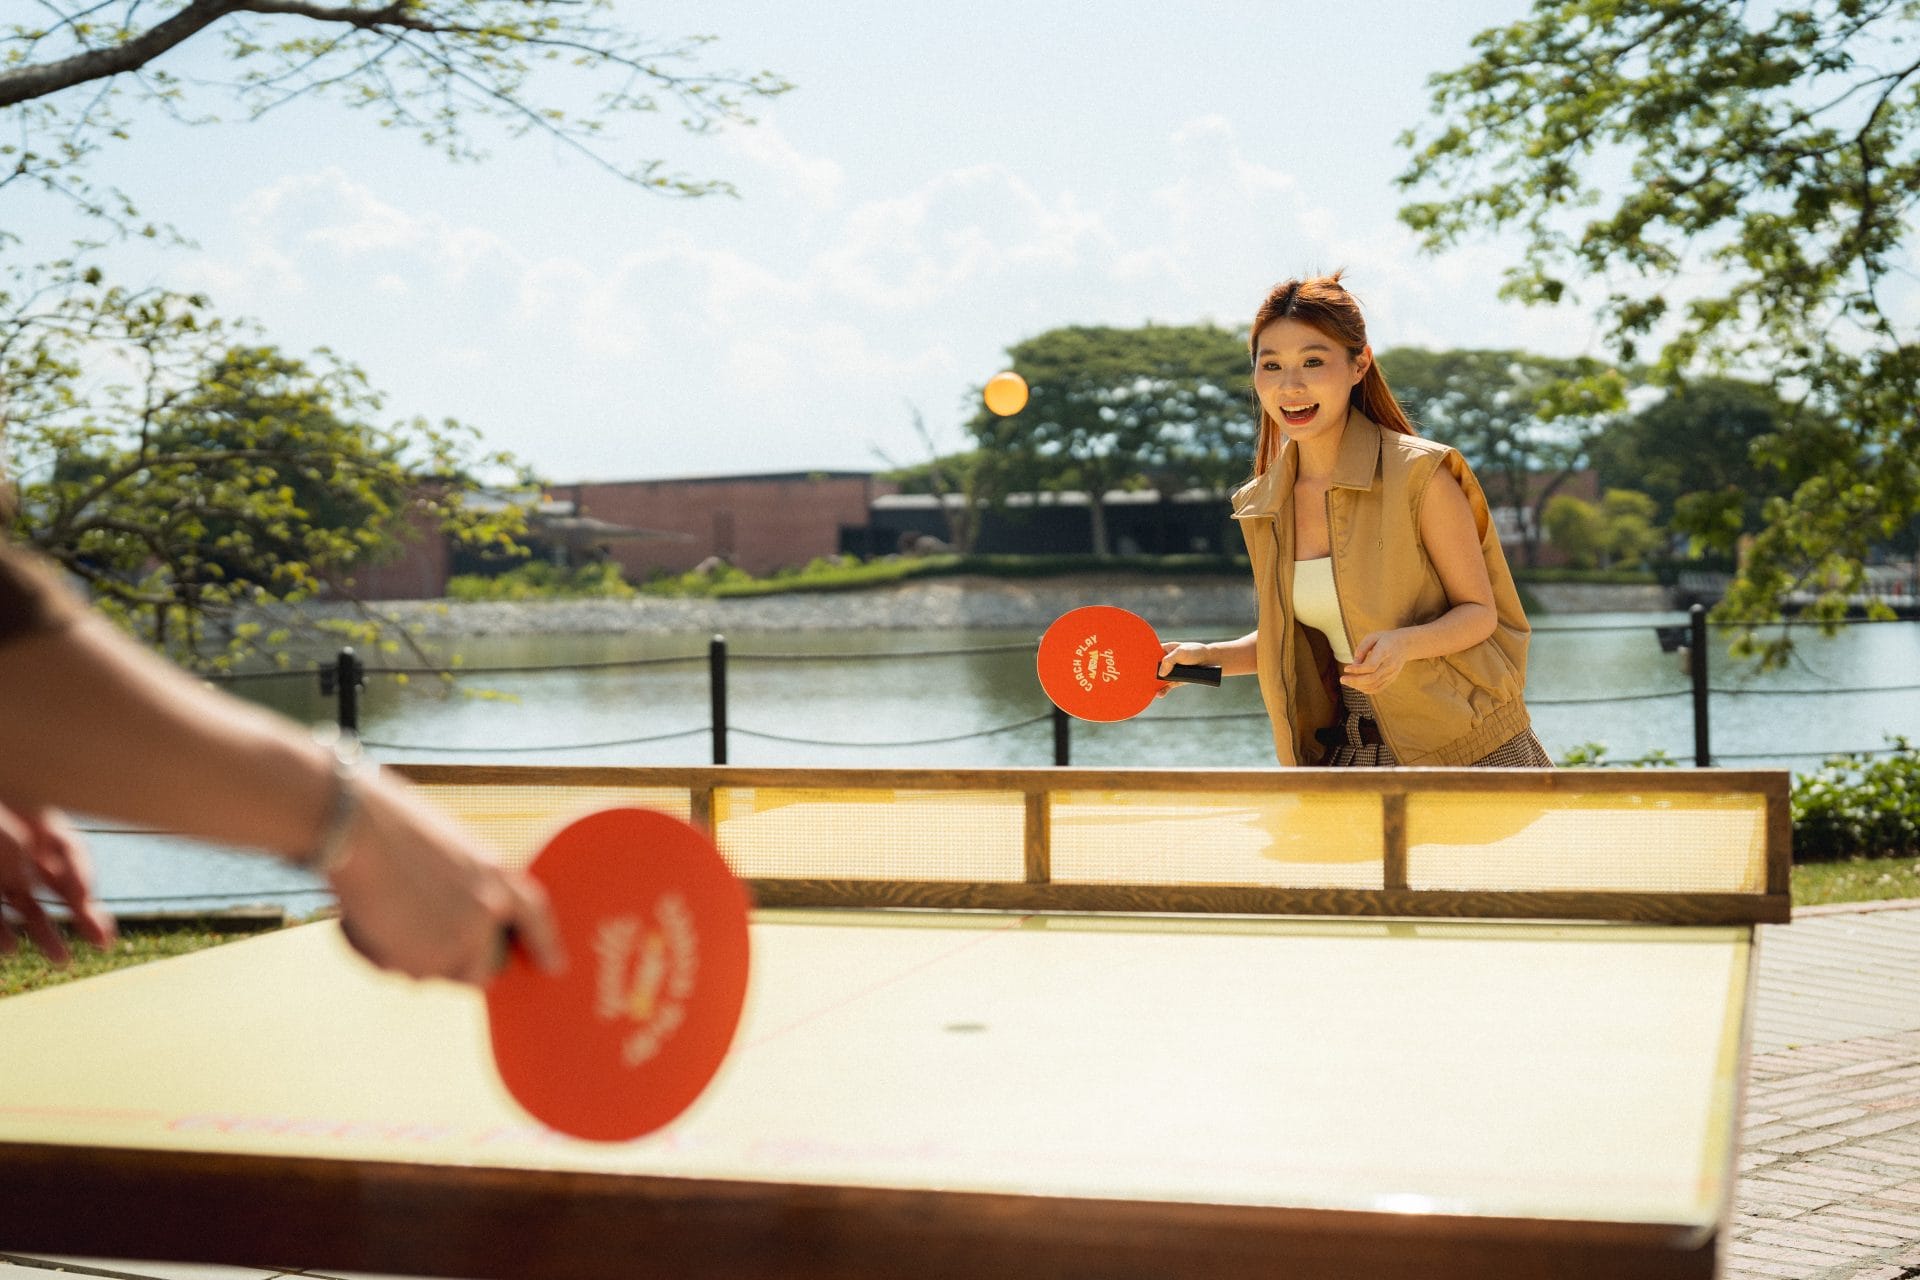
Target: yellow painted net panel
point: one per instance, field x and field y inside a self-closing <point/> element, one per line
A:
<point x="871" y="833"/>
<point x="1266" y="838"/>
<point x="1659" y="842"/>
<point x="1652" y="841"/>
<point x="512" y="821"/>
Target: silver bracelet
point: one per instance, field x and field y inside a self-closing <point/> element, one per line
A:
<point x="349" y="763"/>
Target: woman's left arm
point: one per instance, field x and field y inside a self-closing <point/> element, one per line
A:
<point x="1452" y="541"/>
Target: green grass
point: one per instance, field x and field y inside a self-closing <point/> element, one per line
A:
<point x="1855" y="880"/>
<point x="541" y="581"/>
<point x="27" y="970"/>
<point x="823" y="575"/>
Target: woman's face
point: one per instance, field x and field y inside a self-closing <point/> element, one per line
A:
<point x="1305" y="379"/>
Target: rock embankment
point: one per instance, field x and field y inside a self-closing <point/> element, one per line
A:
<point x="935" y="604"/>
<point x="1580" y="597"/>
<point x="938" y="604"/>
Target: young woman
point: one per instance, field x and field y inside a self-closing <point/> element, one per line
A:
<point x="1390" y="631"/>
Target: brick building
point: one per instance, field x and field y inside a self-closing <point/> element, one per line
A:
<point x="419" y="572"/>
<point x="758" y="523"/>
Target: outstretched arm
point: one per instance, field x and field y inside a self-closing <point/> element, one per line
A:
<point x="96" y="724"/>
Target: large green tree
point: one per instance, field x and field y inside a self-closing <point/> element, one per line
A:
<point x="1114" y="409"/>
<point x="1619" y="532"/>
<point x="1732" y="187"/>
<point x="1712" y="451"/>
<point x="1525" y="421"/>
<point x="191" y="476"/>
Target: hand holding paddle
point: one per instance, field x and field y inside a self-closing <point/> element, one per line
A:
<point x="1102" y="663"/>
<point x="418" y="896"/>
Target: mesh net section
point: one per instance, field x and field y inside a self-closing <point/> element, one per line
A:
<point x="1666" y="842"/>
<point x="512" y="822"/>
<point x="1267" y="838"/>
<point x="871" y="833"/>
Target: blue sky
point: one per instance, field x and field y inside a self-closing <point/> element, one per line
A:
<point x="944" y="182"/>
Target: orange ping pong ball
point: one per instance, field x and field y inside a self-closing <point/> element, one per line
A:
<point x="1006" y="393"/>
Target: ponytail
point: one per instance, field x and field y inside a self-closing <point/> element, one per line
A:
<point x="1373" y="397"/>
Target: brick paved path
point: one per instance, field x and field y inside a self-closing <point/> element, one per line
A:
<point x="1830" y="1152"/>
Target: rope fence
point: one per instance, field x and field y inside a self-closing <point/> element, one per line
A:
<point x="346" y="677"/>
<point x="566" y="746"/>
<point x="900" y="742"/>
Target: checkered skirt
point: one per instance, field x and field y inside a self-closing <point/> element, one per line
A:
<point x="1522" y="751"/>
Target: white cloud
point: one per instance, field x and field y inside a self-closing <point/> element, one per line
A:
<point x="815" y="180"/>
<point x="958" y="228"/>
<point x="327" y="212"/>
<point x="243" y="281"/>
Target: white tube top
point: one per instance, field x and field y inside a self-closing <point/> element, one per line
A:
<point x="1316" y="605"/>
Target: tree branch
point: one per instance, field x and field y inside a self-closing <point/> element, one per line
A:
<point x="26" y="83"/>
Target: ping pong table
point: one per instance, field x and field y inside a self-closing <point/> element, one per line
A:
<point x="1056" y="1022"/>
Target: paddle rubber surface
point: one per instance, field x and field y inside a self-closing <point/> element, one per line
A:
<point x="655" y="930"/>
<point x="1101" y="662"/>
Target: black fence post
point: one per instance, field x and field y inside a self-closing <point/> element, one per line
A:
<point x="342" y="682"/>
<point x="1697" y="619"/>
<point x="1062" y="738"/>
<point x="717" y="685"/>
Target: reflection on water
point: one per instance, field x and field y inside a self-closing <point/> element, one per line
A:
<point x="904" y="698"/>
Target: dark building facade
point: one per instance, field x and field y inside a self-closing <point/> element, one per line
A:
<point x="1146" y="523"/>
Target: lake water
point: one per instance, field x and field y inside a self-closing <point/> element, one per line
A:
<point x="945" y="698"/>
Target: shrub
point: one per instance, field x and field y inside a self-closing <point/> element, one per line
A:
<point x="539" y="580"/>
<point x="1593" y="755"/>
<point x="1860" y="805"/>
<point x="846" y="574"/>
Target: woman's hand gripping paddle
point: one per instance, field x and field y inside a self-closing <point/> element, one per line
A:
<point x="655" y="928"/>
<point x="1100" y="663"/>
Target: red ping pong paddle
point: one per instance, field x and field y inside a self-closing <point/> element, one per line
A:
<point x="655" y="929"/>
<point x="1101" y="662"/>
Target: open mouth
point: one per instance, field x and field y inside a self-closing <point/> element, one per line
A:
<point x="1299" y="417"/>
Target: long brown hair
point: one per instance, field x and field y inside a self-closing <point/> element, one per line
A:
<point x="1324" y="303"/>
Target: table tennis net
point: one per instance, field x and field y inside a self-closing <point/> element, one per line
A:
<point x="512" y="821"/>
<point x="815" y="828"/>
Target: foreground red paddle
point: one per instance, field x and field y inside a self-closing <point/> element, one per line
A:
<point x="655" y="929"/>
<point x="1100" y="662"/>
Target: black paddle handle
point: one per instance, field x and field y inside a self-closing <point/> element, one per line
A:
<point x="1194" y="675"/>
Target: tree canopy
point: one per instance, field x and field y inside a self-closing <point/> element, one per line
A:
<point x="1732" y="187"/>
<point x="1524" y="421"/>
<point x="1619" y="532"/>
<point x="184" y="471"/>
<point x="1711" y="451"/>
<point x="1114" y="409"/>
<point x="73" y="71"/>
